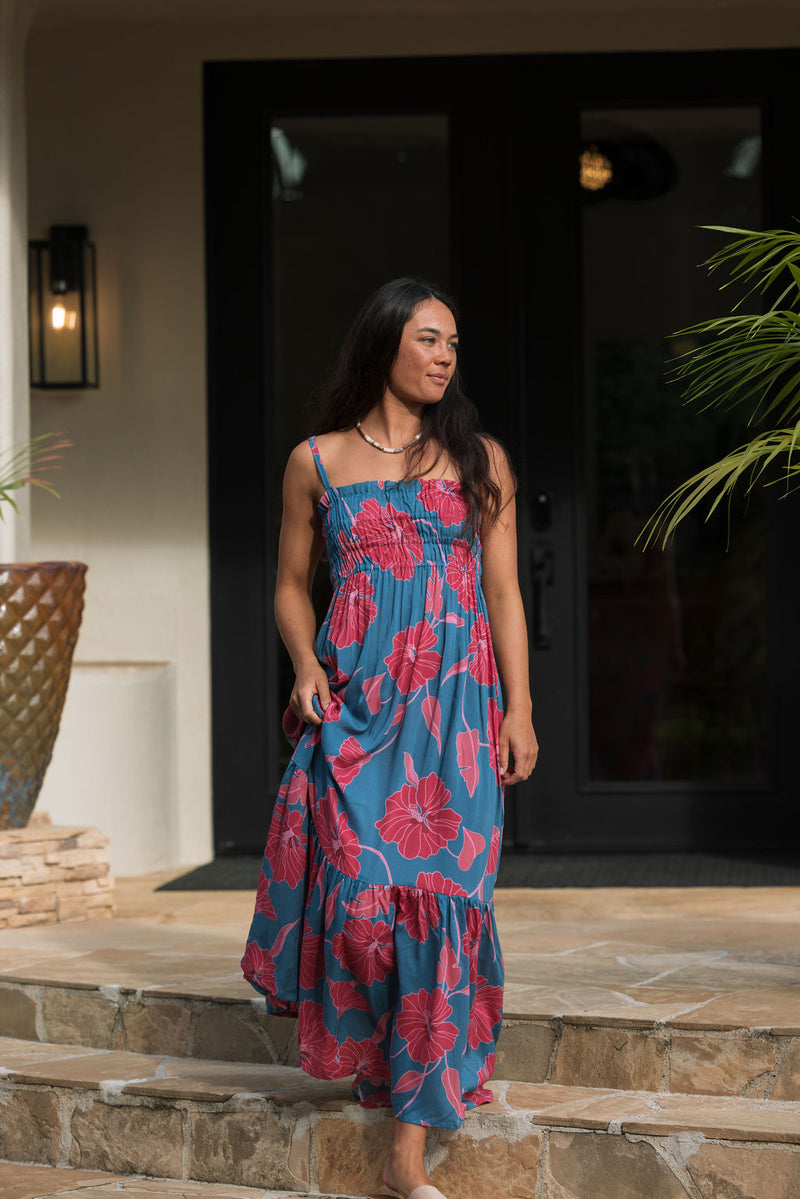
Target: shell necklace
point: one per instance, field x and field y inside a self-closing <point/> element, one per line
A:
<point x="387" y="449"/>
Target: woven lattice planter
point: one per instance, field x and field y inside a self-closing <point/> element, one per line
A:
<point x="41" y="605"/>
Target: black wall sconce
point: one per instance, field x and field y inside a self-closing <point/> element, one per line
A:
<point x="63" y="309"/>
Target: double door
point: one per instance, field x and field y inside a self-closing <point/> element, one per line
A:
<point x="561" y="199"/>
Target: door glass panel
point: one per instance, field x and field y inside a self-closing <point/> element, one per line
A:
<point x="676" y="640"/>
<point x="356" y="201"/>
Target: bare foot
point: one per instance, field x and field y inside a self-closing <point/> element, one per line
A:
<point x="402" y="1172"/>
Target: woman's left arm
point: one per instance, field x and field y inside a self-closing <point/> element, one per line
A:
<point x="507" y="624"/>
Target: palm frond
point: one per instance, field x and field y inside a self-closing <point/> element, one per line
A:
<point x="749" y="360"/>
<point x="714" y="483"/>
<point x="17" y="466"/>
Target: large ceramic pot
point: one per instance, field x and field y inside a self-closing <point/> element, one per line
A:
<point x="41" y="604"/>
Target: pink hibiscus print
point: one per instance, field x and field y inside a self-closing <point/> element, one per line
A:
<point x="258" y="966"/>
<point x="471" y="940"/>
<point x="330" y="903"/>
<point x="460" y="575"/>
<point x="495" y="720"/>
<point x="264" y="906"/>
<point x="423" y="1024"/>
<point x="353" y="610"/>
<point x="317" y="1046"/>
<point x="372" y="692"/>
<point x="347" y="997"/>
<point x="365" y="949"/>
<point x="339" y="843"/>
<point x="494" y="851"/>
<point x="389" y="537"/>
<point x="448" y="970"/>
<point x="312" y="959"/>
<point x="437" y="882"/>
<point x="479" y="1095"/>
<point x="451" y="1082"/>
<point x="292" y="726"/>
<point x="487" y="1069"/>
<point x="286" y="845"/>
<point x="474" y="844"/>
<point x="349" y="760"/>
<point x="418" y="819"/>
<point x="417" y="912"/>
<point x="413" y="659"/>
<point x="433" y="595"/>
<point x="444" y="497"/>
<point x="364" y="1058"/>
<point x="482" y="665"/>
<point x="375" y="901"/>
<point x="297" y="789"/>
<point x="485" y="1013"/>
<point x="467" y="744"/>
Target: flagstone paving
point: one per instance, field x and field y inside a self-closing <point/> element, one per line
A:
<point x="42" y="1182"/>
<point x="230" y="1124"/>
<point x="651" y="1048"/>
<point x="690" y="990"/>
<point x="696" y="958"/>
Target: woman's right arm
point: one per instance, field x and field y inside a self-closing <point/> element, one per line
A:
<point x="299" y="552"/>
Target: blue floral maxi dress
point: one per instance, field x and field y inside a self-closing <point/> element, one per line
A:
<point x="374" y="921"/>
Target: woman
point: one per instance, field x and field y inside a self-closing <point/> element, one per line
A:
<point x="374" y="920"/>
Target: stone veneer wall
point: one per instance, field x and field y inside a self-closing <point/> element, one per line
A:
<point x="49" y="873"/>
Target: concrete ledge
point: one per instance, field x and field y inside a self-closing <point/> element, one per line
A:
<point x="50" y="873"/>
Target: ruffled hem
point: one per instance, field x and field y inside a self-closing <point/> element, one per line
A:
<point x="399" y="986"/>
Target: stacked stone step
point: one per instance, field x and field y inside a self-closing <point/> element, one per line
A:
<point x="685" y="1055"/>
<point x="271" y="1127"/>
<point x="50" y="873"/>
<point x="33" y="1182"/>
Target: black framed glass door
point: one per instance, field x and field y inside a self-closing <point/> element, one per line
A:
<point x="356" y="200"/>
<point x="659" y="699"/>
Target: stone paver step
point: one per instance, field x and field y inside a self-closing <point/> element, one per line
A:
<point x="270" y="1126"/>
<point x="41" y="1182"/>
<point x="225" y="1020"/>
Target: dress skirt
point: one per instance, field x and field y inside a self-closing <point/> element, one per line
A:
<point x="374" y="920"/>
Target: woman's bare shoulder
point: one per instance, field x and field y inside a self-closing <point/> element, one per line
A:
<point x="301" y="477"/>
<point x="499" y="463"/>
<point x="301" y="469"/>
<point x="301" y="460"/>
<point x="332" y="443"/>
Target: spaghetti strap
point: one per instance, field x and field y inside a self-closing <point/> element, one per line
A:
<point x="323" y="474"/>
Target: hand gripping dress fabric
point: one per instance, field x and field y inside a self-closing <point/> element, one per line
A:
<point x="374" y="918"/>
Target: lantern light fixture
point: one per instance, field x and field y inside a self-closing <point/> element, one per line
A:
<point x="63" y="310"/>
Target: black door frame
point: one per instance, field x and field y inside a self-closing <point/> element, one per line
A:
<point x="523" y="110"/>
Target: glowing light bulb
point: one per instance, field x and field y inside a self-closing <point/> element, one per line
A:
<point x="62" y="317"/>
<point x="596" y="169"/>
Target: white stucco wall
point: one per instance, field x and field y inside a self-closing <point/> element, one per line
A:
<point x="15" y="16"/>
<point x="115" y="141"/>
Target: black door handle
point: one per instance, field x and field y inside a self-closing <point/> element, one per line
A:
<point x="543" y="574"/>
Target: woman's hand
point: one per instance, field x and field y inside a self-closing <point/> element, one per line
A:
<point x="310" y="681"/>
<point x="517" y="740"/>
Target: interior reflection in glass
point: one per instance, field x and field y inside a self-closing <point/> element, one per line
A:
<point x="676" y="639"/>
<point x="355" y="201"/>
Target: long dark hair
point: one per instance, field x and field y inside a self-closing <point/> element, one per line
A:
<point x="360" y="379"/>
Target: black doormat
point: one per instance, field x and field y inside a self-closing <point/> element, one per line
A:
<point x="239" y="872"/>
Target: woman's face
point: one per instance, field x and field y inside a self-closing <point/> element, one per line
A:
<point x="426" y="357"/>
